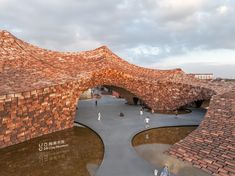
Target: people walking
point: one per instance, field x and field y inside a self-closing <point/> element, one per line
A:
<point x="147" y="119"/>
<point x="152" y="111"/>
<point x="96" y="102"/>
<point x="141" y="111"/>
<point x="99" y="116"/>
<point x="155" y="172"/>
<point x="165" y="171"/>
<point x="176" y="113"/>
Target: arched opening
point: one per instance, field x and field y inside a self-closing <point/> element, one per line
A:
<point x="112" y="101"/>
<point x="98" y="92"/>
<point x="119" y="92"/>
<point x="107" y="100"/>
<point x="199" y="104"/>
<point x="135" y="100"/>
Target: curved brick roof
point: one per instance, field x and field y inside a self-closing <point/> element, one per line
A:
<point x="27" y="67"/>
<point x="39" y="90"/>
<point x="24" y="67"/>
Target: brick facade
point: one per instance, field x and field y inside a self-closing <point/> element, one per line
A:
<point x="39" y="90"/>
<point x="212" y="145"/>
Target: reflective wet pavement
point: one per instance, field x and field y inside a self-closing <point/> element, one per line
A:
<point x="164" y="135"/>
<point x="73" y="152"/>
<point x="120" y="157"/>
<point x="79" y="151"/>
<point x="152" y="145"/>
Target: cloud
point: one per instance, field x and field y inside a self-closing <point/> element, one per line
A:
<point x="143" y="32"/>
<point x="202" y="61"/>
<point x="222" y="10"/>
<point x="201" y="56"/>
<point x="172" y="10"/>
<point x="145" y="50"/>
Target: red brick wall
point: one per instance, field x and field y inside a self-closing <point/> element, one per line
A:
<point x="212" y="145"/>
<point x="30" y="114"/>
<point x="39" y="90"/>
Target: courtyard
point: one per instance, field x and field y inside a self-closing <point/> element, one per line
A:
<point x="120" y="157"/>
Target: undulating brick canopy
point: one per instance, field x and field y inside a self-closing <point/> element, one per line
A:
<point x="212" y="145"/>
<point x="39" y="90"/>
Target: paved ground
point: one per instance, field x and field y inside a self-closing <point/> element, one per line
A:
<point x="120" y="158"/>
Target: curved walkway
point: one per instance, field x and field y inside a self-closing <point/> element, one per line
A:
<point x="120" y="158"/>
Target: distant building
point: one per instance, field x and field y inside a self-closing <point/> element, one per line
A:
<point x="205" y="76"/>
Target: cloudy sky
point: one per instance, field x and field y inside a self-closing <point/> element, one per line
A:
<point x="195" y="35"/>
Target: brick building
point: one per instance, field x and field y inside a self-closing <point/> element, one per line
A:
<point x="203" y="76"/>
<point x="39" y="90"/>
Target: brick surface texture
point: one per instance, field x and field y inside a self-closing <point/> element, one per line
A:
<point x="39" y="90"/>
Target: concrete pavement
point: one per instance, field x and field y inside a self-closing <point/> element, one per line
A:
<point x="120" y="158"/>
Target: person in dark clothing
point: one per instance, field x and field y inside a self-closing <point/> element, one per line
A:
<point x="96" y="102"/>
<point x="121" y="114"/>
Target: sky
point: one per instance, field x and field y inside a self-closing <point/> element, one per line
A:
<point x="195" y="35"/>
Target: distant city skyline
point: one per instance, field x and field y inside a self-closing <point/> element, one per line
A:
<point x="195" y="35"/>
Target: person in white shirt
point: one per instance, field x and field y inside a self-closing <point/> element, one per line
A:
<point x="155" y="172"/>
<point x="99" y="116"/>
<point x="147" y="119"/>
<point x="141" y="111"/>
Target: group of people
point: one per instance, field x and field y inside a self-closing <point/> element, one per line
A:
<point x="147" y="119"/>
<point x="99" y="115"/>
<point x="165" y="171"/>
